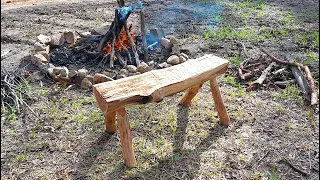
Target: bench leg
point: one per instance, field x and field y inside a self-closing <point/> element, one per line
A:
<point x="190" y="94"/>
<point x="126" y="138"/>
<point x="110" y="121"/>
<point x="222" y="112"/>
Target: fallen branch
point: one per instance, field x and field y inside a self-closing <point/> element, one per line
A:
<point x="262" y="77"/>
<point x="301" y="81"/>
<point x="243" y="48"/>
<point x="283" y="84"/>
<point x="285" y="161"/>
<point x="313" y="96"/>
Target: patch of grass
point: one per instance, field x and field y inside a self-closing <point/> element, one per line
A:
<point x="289" y="125"/>
<point x="273" y="175"/>
<point x="261" y="14"/>
<point x="311" y="58"/>
<point x="230" y="80"/>
<point x="21" y="158"/>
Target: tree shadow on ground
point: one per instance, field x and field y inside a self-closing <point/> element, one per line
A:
<point x="183" y="163"/>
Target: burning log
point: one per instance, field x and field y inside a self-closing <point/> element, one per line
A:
<point x="127" y="52"/>
<point x="134" y="47"/>
<point x="313" y="96"/>
<point x="119" y="21"/>
<point x="120" y="59"/>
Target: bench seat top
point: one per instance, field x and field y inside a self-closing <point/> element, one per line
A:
<point x="154" y="85"/>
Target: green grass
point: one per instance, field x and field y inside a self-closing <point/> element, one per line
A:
<point x="21" y="158"/>
<point x="273" y="175"/>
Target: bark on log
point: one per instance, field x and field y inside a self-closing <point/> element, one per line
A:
<point x="301" y="80"/>
<point x="143" y="36"/>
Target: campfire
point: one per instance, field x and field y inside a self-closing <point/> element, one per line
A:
<point x="117" y="53"/>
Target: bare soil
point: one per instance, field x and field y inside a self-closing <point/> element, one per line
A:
<point x="272" y="134"/>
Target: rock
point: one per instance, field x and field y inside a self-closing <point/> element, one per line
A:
<point x="90" y="78"/>
<point x="56" y="70"/>
<point x="99" y="78"/>
<point x="38" y="46"/>
<point x="64" y="72"/>
<point x="72" y="73"/>
<point x="143" y="67"/>
<point x="184" y="55"/>
<point x="174" y="59"/>
<point x="45" y="54"/>
<point x="133" y="74"/>
<point x="44" y="39"/>
<point x="124" y="72"/>
<point x="182" y="59"/>
<point x="175" y="49"/>
<point x="132" y="68"/>
<point x="69" y="37"/>
<point x="157" y="33"/>
<point x="173" y="40"/>
<point x="100" y="30"/>
<point x="162" y="65"/>
<point x="85" y="83"/>
<point x="38" y="58"/>
<point x="165" y="43"/>
<point x="85" y="34"/>
<point x="120" y="76"/>
<point x="57" y="40"/>
<point x="82" y="73"/>
<point x="106" y="73"/>
<point x="151" y="63"/>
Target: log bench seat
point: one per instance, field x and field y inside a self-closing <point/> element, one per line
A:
<point x="112" y="97"/>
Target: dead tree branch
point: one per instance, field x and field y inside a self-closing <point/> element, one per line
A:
<point x="306" y="70"/>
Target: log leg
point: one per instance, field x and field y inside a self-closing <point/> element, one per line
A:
<point x="190" y="94"/>
<point x="125" y="138"/>
<point x="110" y="121"/>
<point x="222" y="112"/>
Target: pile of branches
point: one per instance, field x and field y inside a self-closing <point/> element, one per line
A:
<point x="271" y="69"/>
<point x="14" y="91"/>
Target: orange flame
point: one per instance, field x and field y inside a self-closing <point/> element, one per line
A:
<point x="123" y="39"/>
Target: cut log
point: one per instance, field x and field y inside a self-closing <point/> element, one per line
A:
<point x="216" y="94"/>
<point x="190" y="94"/>
<point x="154" y="85"/>
<point x="126" y="138"/>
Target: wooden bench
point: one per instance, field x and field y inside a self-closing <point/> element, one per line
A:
<point x="112" y="97"/>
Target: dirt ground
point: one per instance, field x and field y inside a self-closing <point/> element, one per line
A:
<point x="272" y="134"/>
